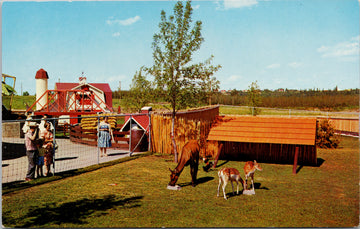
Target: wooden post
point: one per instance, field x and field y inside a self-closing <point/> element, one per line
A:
<point x="295" y="159"/>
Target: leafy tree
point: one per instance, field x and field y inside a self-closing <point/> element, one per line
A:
<point x="140" y="92"/>
<point x="254" y="98"/>
<point x="325" y="135"/>
<point x="177" y="78"/>
<point x="26" y="93"/>
<point x="209" y="88"/>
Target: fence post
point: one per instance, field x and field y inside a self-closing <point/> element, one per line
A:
<point x="295" y="159"/>
<point x="97" y="134"/>
<point x="130" y="136"/>
<point x="149" y="145"/>
<point x="54" y="144"/>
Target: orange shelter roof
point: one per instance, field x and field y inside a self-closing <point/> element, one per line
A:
<point x="280" y="130"/>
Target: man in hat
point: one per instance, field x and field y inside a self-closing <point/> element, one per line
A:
<point x="31" y="150"/>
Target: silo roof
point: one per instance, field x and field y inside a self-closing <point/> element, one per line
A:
<point x="41" y="74"/>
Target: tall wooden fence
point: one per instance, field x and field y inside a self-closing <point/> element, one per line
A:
<point x="194" y="124"/>
<point x="348" y="126"/>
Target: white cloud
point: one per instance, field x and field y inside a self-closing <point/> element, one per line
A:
<point x="295" y="64"/>
<point x="273" y="66"/>
<point x="125" y="22"/>
<point x="235" y="78"/>
<point x="196" y="7"/>
<point x="117" y="34"/>
<point x="343" y="49"/>
<point x="230" y="4"/>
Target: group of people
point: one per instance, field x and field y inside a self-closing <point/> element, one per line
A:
<point x="39" y="148"/>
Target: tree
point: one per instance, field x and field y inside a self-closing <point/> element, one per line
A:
<point x="177" y="79"/>
<point x="140" y="92"/>
<point x="26" y="93"/>
<point x="325" y="135"/>
<point x="254" y="98"/>
<point x="208" y="88"/>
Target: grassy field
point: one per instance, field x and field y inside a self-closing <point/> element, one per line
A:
<point x="237" y="110"/>
<point x="134" y="194"/>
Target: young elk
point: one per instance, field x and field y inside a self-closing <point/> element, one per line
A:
<point x="249" y="169"/>
<point x="229" y="174"/>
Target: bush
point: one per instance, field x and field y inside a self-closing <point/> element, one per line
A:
<point x="325" y="135"/>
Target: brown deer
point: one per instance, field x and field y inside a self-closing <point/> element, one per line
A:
<point x="249" y="169"/>
<point x="229" y="174"/>
<point x="189" y="156"/>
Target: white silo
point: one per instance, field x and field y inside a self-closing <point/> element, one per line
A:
<point x="41" y="78"/>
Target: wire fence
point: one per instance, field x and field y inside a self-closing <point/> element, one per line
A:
<point x="131" y="136"/>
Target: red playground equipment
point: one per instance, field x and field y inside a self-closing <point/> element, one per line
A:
<point x="72" y="99"/>
<point x="70" y="102"/>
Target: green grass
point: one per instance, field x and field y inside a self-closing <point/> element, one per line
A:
<point x="237" y="110"/>
<point x="134" y="194"/>
<point x="19" y="102"/>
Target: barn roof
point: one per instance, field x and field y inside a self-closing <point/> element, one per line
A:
<point x="141" y="120"/>
<point x="68" y="86"/>
<point x="101" y="86"/>
<point x="280" y="130"/>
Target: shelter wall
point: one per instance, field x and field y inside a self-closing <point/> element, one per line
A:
<point x="266" y="152"/>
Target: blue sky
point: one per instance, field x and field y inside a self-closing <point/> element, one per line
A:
<point x="295" y="44"/>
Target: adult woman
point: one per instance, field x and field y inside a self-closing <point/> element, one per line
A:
<point x="49" y="146"/>
<point x="104" y="136"/>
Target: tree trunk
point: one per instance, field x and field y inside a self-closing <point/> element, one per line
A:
<point x="173" y="137"/>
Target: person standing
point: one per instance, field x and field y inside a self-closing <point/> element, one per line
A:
<point x="49" y="146"/>
<point x="104" y="136"/>
<point x="31" y="150"/>
<point x="40" y="158"/>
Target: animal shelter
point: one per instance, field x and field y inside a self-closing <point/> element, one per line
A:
<point x="265" y="139"/>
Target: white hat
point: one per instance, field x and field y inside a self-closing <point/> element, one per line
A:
<point x="33" y="124"/>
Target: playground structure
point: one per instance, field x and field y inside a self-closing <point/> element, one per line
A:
<point x="71" y="99"/>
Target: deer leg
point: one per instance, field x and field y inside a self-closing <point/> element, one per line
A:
<point x="193" y="172"/>
<point x="232" y="185"/>
<point x="237" y="187"/>
<point x="219" y="186"/>
<point x="242" y="183"/>
<point x="246" y="178"/>
<point x="252" y="181"/>
<point x="223" y="187"/>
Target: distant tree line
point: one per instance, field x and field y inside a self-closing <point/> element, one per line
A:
<point x="313" y="98"/>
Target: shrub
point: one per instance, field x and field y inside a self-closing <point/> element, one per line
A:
<point x="325" y="135"/>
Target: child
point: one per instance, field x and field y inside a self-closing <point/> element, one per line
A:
<point x="40" y="158"/>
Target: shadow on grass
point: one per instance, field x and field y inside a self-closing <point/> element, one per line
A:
<point x="230" y="194"/>
<point x="65" y="158"/>
<point x="72" y="212"/>
<point x="223" y="163"/>
<point x="319" y="162"/>
<point x="198" y="181"/>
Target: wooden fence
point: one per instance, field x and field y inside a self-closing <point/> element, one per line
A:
<point x="194" y="124"/>
<point x="349" y="126"/>
<point x="89" y="137"/>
